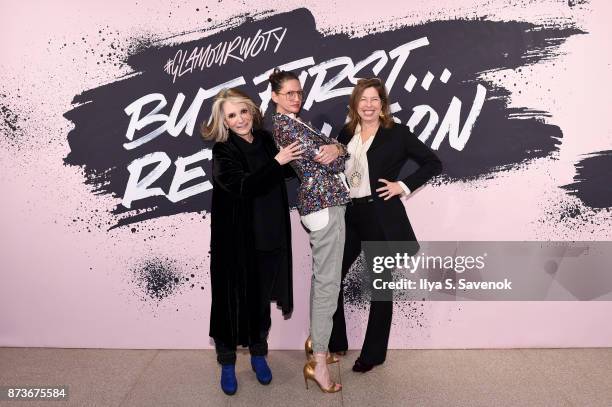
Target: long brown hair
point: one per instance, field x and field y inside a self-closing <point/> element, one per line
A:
<point x="214" y="129"/>
<point x="362" y="84"/>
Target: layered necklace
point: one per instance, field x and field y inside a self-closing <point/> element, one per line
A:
<point x="356" y="173"/>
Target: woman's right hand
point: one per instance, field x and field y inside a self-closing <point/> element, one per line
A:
<point x="289" y="153"/>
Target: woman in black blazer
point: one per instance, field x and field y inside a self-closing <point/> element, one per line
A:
<point x="378" y="150"/>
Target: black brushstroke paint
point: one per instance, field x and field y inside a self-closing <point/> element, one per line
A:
<point x="593" y="180"/>
<point x="501" y="138"/>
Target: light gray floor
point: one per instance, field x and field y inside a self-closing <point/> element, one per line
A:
<point x="513" y="377"/>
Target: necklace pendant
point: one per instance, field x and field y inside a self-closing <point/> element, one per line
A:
<point x="355" y="179"/>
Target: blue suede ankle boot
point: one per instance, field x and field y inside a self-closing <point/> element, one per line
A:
<point x="229" y="384"/>
<point x="261" y="369"/>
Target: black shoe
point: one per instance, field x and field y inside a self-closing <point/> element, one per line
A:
<point x="362" y="367"/>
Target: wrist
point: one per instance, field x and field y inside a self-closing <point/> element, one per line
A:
<point x="340" y="148"/>
<point x="405" y="190"/>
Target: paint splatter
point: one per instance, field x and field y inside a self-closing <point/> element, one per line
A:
<point x="10" y="122"/>
<point x="573" y="219"/>
<point x="9" y="119"/>
<point x="357" y="295"/>
<point x="573" y="3"/>
<point x="593" y="180"/>
<point x="157" y="278"/>
<point x="410" y="314"/>
<point x="355" y="291"/>
<point x="161" y="278"/>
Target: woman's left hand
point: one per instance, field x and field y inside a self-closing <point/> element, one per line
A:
<point x="327" y="154"/>
<point x="390" y="189"/>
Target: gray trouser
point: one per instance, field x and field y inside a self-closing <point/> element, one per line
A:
<point x="327" y="249"/>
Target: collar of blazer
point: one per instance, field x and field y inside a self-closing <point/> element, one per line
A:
<point x="381" y="136"/>
<point x="295" y="119"/>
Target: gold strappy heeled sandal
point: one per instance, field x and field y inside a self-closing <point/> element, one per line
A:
<point x="309" y="374"/>
<point x="310" y="353"/>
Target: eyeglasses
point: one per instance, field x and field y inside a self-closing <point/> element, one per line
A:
<point x="293" y="94"/>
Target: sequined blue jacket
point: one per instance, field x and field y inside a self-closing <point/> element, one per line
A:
<point x="321" y="185"/>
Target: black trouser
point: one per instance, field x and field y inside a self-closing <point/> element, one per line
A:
<point x="362" y="225"/>
<point x="267" y="266"/>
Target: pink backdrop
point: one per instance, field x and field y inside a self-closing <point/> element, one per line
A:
<point x="65" y="279"/>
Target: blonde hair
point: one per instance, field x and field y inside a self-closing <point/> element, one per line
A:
<point x="362" y="84"/>
<point x="216" y="130"/>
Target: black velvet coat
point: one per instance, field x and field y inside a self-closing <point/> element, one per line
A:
<point x="234" y="311"/>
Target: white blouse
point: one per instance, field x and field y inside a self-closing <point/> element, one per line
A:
<point x="357" y="150"/>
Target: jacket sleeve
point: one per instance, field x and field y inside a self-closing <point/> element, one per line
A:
<point x="339" y="163"/>
<point x="230" y="175"/>
<point x="341" y="146"/>
<point x="282" y="132"/>
<point x="287" y="131"/>
<point x="336" y="166"/>
<point x="429" y="163"/>
<point x="288" y="172"/>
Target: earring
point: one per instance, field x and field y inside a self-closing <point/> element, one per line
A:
<point x="381" y="115"/>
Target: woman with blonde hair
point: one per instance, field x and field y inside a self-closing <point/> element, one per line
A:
<point x="250" y="239"/>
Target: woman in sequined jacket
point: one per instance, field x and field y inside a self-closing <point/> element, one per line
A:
<point x="322" y="198"/>
<point x="321" y="186"/>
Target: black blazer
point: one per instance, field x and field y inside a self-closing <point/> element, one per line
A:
<point x="389" y="151"/>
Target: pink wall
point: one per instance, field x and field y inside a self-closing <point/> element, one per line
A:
<point x="65" y="279"/>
